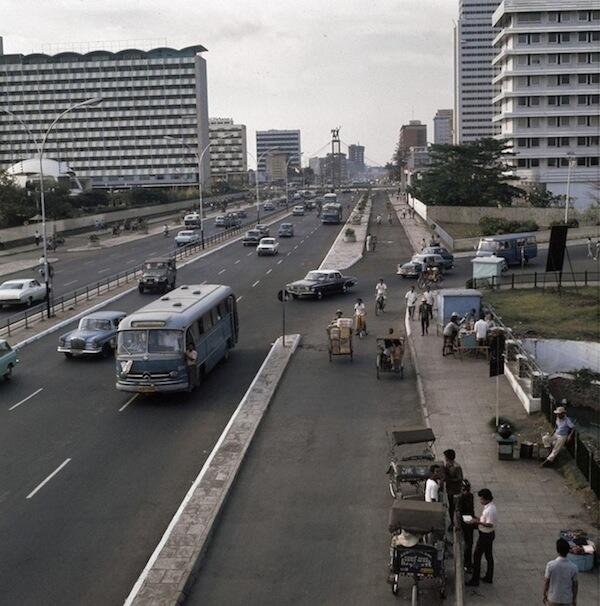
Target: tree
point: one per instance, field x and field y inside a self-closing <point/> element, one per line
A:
<point x="471" y="174"/>
<point x="396" y="166"/>
<point x="539" y="197"/>
<point x="15" y="205"/>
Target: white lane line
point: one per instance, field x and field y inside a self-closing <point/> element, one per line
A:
<point x="239" y="298"/>
<point x="40" y="486"/>
<point x="69" y="283"/>
<point x="257" y="282"/>
<point x="295" y="247"/>
<point x="131" y="261"/>
<point x="301" y="241"/>
<point x="222" y="272"/>
<point x="35" y="393"/>
<point x="237" y="262"/>
<point x="288" y="254"/>
<point x="153" y="252"/>
<point x="280" y="262"/>
<point x="89" y="262"/>
<point x="203" y="282"/>
<point x="269" y="271"/>
<point x="101" y="271"/>
<point x="128" y="402"/>
<point x="249" y="254"/>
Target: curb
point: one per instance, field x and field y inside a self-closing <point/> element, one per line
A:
<point x="172" y="568"/>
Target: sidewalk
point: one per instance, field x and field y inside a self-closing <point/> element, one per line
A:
<point x="533" y="504"/>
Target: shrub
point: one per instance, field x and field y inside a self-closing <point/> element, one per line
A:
<point x="573" y="222"/>
<point x="491" y="226"/>
<point x="349" y="233"/>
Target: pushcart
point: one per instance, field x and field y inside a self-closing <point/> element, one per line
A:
<point x="339" y="337"/>
<point x="418" y="545"/>
<point x="390" y="355"/>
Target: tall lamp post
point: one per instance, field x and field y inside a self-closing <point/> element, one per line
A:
<point x="571" y="160"/>
<point x="287" y="164"/>
<point x="256" y="178"/>
<point x="41" y="147"/>
<point x="199" y="159"/>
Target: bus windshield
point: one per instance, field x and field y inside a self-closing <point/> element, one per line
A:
<point x="157" y="341"/>
<point x="488" y="245"/>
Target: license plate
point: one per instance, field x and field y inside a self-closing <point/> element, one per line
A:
<point x="147" y="388"/>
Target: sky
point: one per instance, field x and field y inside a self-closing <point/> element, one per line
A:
<point x="367" y="67"/>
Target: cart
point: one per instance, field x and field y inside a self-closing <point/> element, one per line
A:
<point x="408" y="472"/>
<point x="418" y="545"/>
<point x="339" y="336"/>
<point x="390" y="355"/>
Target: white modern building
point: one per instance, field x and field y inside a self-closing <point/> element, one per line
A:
<point x="287" y="141"/>
<point x="473" y="71"/>
<point x="228" y="157"/>
<point x="443" y="127"/>
<point x="28" y="171"/>
<point x="148" y="130"/>
<point x="548" y="106"/>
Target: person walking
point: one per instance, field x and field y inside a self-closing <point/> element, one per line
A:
<point x="465" y="507"/>
<point x="453" y="477"/>
<point x="597" y="256"/>
<point x="411" y="301"/>
<point x="389" y="218"/>
<point x="560" y="578"/>
<point x="424" y="317"/>
<point x="360" y="313"/>
<point x="486" y="525"/>
<point x="481" y="331"/>
<point x="450" y="333"/>
<point x="37" y="238"/>
<point x="590" y="247"/>
<point x="430" y="299"/>
<point x="191" y="357"/>
<point x="369" y="243"/>
<point x="564" y="430"/>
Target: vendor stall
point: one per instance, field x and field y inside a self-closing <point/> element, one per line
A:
<point x="487" y="270"/>
<point x="462" y="301"/>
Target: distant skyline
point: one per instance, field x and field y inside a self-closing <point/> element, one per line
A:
<point x="279" y="65"/>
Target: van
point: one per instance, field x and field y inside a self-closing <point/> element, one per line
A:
<point x="513" y="248"/>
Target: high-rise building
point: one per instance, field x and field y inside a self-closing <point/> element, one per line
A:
<point x="147" y="131"/>
<point x="277" y="166"/>
<point x="442" y="127"/>
<point x="413" y="134"/>
<point x="287" y="141"/>
<point x="228" y="159"/>
<point x="356" y="154"/>
<point x="548" y="106"/>
<point x="473" y="71"/>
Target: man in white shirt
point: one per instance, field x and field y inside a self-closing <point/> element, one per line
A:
<point x="360" y="313"/>
<point x="411" y="300"/>
<point x="486" y="524"/>
<point x="429" y="299"/>
<point x="432" y="486"/>
<point x="560" y="578"/>
<point x="481" y="331"/>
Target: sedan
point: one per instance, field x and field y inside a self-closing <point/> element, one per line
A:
<point x="8" y="359"/>
<point x="268" y="206"/>
<point x="185" y="237"/>
<point x="96" y="334"/>
<point x="264" y="230"/>
<point x="298" y="211"/>
<point x="251" y="238"/>
<point x="286" y="230"/>
<point x="318" y="283"/>
<point x="447" y="256"/>
<point x="241" y="213"/>
<point x="267" y="246"/>
<point x="21" y="292"/>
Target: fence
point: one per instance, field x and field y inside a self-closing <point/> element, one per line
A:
<point x="537" y="280"/>
<point x="29" y="316"/>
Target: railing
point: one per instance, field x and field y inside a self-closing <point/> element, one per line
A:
<point x="536" y="279"/>
<point x="31" y="315"/>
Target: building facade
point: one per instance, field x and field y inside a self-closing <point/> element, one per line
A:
<point x="148" y="130"/>
<point x="413" y="134"/>
<point x="443" y="125"/>
<point x="228" y="158"/>
<point x="548" y="105"/>
<point x="287" y="141"/>
<point x="418" y="159"/>
<point x="356" y="154"/>
<point x="473" y="70"/>
<point x="277" y="166"/>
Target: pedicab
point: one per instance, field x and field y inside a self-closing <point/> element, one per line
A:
<point x="418" y="545"/>
<point x="339" y="335"/>
<point x="390" y="353"/>
<point x="408" y="473"/>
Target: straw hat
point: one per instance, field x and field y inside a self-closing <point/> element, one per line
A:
<point x="561" y="410"/>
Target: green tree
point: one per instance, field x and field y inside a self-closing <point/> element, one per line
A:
<point x="15" y="205"/>
<point x="540" y="197"/>
<point x="471" y="174"/>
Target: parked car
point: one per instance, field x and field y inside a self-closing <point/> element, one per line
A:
<point x="22" y="291"/>
<point x="252" y="237"/>
<point x="8" y="359"/>
<point x="286" y="230"/>
<point x="160" y="274"/>
<point x="319" y="283"/>
<point x="447" y="256"/>
<point x="298" y="211"/>
<point x="96" y="334"/>
<point x="264" y="230"/>
<point x="267" y="246"/>
<point x="268" y="206"/>
<point x="186" y="237"/>
<point x="414" y="267"/>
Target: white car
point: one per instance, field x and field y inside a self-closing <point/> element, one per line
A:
<point x="298" y="211"/>
<point x="21" y="292"/>
<point x="186" y="236"/>
<point x="267" y="246"/>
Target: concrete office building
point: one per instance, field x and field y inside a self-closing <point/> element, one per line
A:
<point x="228" y="159"/>
<point x="277" y="166"/>
<point x="287" y="141"/>
<point x="443" y="127"/>
<point x="146" y="96"/>
<point x="413" y="134"/>
<point x="548" y="106"/>
<point x="473" y="71"/>
<point x="356" y="153"/>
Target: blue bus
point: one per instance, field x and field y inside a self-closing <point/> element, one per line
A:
<point x="151" y="342"/>
<point x="515" y="249"/>
<point x="331" y="213"/>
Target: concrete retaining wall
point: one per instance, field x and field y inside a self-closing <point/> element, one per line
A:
<point x="471" y="214"/>
<point x="559" y="355"/>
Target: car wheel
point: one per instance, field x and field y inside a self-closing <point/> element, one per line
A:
<point x="344" y="288"/>
<point x="319" y="294"/>
<point x="8" y="373"/>
<point x="294" y="296"/>
<point x="68" y="355"/>
<point x="29" y="301"/>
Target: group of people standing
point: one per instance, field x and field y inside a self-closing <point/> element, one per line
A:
<point x="425" y="308"/>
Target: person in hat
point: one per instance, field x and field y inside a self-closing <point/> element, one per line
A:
<point x="450" y="333"/>
<point x="424" y="316"/>
<point x="338" y="315"/>
<point x="564" y="430"/>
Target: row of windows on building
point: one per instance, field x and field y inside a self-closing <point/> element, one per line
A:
<point x="556" y="80"/>
<point x="20" y="102"/>
<point x="591" y="161"/>
<point x="557" y="38"/>
<point x="555" y="59"/>
<point x="557" y="100"/>
<point x="558" y="121"/>
<point x="529" y="142"/>
<point x="106" y="83"/>
<point x="95" y="66"/>
<point x="557" y="17"/>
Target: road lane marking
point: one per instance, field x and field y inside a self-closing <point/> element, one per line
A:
<point x="128" y="402"/>
<point x="239" y="298"/>
<point x="301" y="241"/>
<point x="69" y="283"/>
<point x="131" y="261"/>
<point x="222" y="272"/>
<point x="237" y="262"/>
<point x="295" y="247"/>
<point x="288" y="254"/>
<point x="249" y="254"/>
<point x="101" y="271"/>
<point x="153" y="252"/>
<point x="35" y="393"/>
<point x="269" y="271"/>
<point x="42" y="484"/>
<point x="280" y="262"/>
<point x="257" y="282"/>
<point x="203" y="282"/>
<point x="89" y="262"/>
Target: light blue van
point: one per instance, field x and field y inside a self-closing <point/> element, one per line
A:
<point x="515" y="249"/>
<point x="8" y="359"/>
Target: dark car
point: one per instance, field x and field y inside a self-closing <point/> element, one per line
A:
<point x="319" y="283"/>
<point x="95" y="335"/>
<point x="286" y="230"/>
<point x="160" y="274"/>
<point x="264" y="230"/>
<point x="241" y="213"/>
<point x="443" y="252"/>
<point x="252" y="237"/>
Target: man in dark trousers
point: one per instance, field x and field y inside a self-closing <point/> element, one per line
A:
<point x="453" y="477"/>
<point x="486" y="525"/>
<point x="466" y="507"/>
<point x="424" y="317"/>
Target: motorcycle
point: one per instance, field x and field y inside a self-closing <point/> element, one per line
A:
<point x="379" y="304"/>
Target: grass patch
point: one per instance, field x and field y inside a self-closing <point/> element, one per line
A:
<point x="545" y="313"/>
<point x="461" y="230"/>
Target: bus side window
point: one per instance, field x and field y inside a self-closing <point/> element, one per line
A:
<point x="220" y="311"/>
<point x="200" y="325"/>
<point x="208" y="322"/>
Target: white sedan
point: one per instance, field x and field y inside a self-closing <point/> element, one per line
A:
<point x="267" y="246"/>
<point x="21" y="292"/>
<point x="186" y="236"/>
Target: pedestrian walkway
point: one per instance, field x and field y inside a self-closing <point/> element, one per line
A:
<point x="533" y="504"/>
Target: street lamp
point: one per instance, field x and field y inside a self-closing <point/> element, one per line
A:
<point x="256" y="178"/>
<point x="200" y="179"/>
<point x="40" y="148"/>
<point x="572" y="161"/>
<point x="287" y="164"/>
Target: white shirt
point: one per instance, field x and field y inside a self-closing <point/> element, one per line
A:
<point x="481" y="329"/>
<point x="411" y="298"/>
<point x="381" y="289"/>
<point x="432" y="490"/>
<point x="430" y="297"/>
<point x="359" y="309"/>
<point x="489" y="516"/>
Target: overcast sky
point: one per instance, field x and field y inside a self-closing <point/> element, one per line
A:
<point x="312" y="64"/>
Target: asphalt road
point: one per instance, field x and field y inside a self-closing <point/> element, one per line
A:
<point x="91" y="479"/>
<point x="306" y="523"/>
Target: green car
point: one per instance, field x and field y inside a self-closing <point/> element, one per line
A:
<point x="8" y="359"/>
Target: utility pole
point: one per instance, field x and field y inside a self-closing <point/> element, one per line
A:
<point x="336" y="157"/>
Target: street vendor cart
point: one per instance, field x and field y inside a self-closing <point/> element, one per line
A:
<point x="339" y="335"/>
<point x="390" y="354"/>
